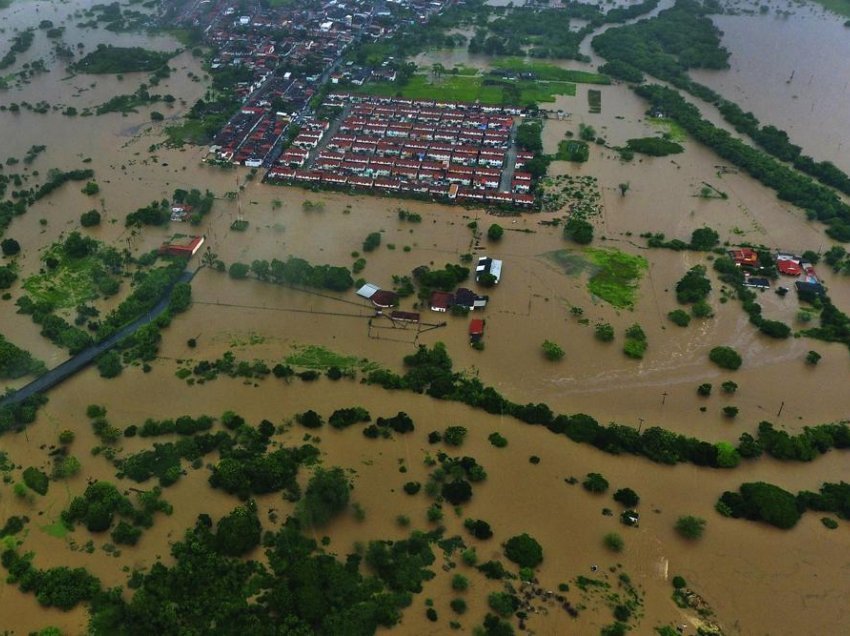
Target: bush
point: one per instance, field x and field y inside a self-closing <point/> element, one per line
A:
<point x="579" y="231"/>
<point x="66" y="437"/>
<point x="412" y="487"/>
<point x="679" y="582"/>
<point x="497" y="440"/>
<point x="603" y="332"/>
<point x="725" y="358"/>
<point x="10" y="247"/>
<point x="524" y="550"/>
<point x="460" y="583"/>
<point x="309" y="419"/>
<point x="729" y="387"/>
<point x="552" y="351"/>
<point x="36" y="480"/>
<point x="454" y="435"/>
<point x="595" y="483"/>
<point x="829" y="522"/>
<point x="458" y="605"/>
<point x="704" y="389"/>
<point x="238" y="271"/>
<point x="372" y="241"/>
<point x="109" y="365"/>
<point x="478" y="528"/>
<point x="457" y="492"/>
<point x="627" y="497"/>
<point x="90" y="218"/>
<point x="495" y="232"/>
<point x="679" y="317"/>
<point x="813" y="357"/>
<point x="690" y="527"/>
<point x="694" y="286"/>
<point x="613" y="542"/>
<point x="503" y="603"/>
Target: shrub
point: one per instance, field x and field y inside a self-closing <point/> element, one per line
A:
<point x="603" y="332"/>
<point x="10" y="247"/>
<point x="813" y="357"/>
<point x="524" y="550"/>
<point x="460" y="583"/>
<point x="412" y="487"/>
<point x="503" y="603"/>
<point x="238" y="271"/>
<point x="90" y="218"/>
<point x="679" y="317"/>
<point x="372" y="241"/>
<point x="704" y="389"/>
<point x="497" y="440"/>
<point x="495" y="232"/>
<point x="458" y="605"/>
<point x="679" y="582"/>
<point x="829" y="522"/>
<point x="730" y="411"/>
<point x="66" y="437"/>
<point x="595" y="483"/>
<point x="690" y="527"/>
<point x="552" y="351"/>
<point x="457" y="492"/>
<point x="725" y="358"/>
<point x="478" y="528"/>
<point x="613" y="542"/>
<point x="694" y="286"/>
<point x="626" y="496"/>
<point x="454" y="435"/>
<point x="109" y="365"/>
<point x="36" y="480"/>
<point x="431" y="614"/>
<point x="309" y="419"/>
<point x="729" y="387"/>
<point x="702" y="309"/>
<point x="579" y="231"/>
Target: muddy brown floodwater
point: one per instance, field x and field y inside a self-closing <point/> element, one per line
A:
<point x="756" y="579"/>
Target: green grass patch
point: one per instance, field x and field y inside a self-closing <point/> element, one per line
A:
<point x="192" y="131"/>
<point x="672" y="130"/>
<point x="470" y="88"/>
<point x="571" y="262"/>
<point x="70" y="284"/>
<point x="549" y="72"/>
<point x="594" y="100"/>
<point x="318" y="357"/>
<point x="841" y="7"/>
<point x="617" y="276"/>
<point x="56" y="529"/>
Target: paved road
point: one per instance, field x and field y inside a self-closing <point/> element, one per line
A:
<point x="84" y="358"/>
<point x="510" y="161"/>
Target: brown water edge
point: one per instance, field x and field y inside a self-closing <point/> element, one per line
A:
<point x="513" y="499"/>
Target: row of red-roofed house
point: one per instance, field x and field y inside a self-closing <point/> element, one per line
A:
<point x="462" y="154"/>
<point x="452" y="134"/>
<point x="451" y="191"/>
<point x="337" y="98"/>
<point x="408" y="116"/>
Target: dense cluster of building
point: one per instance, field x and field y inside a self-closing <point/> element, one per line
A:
<point x="786" y="263"/>
<point x="439" y="149"/>
<point x="281" y="55"/>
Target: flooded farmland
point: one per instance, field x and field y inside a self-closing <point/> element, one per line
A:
<point x="753" y="578"/>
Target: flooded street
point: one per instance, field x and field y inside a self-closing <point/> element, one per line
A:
<point x="757" y="579"/>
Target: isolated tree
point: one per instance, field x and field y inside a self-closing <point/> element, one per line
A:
<point x="524" y="550"/>
<point x="690" y="527"/>
<point x="624" y="187"/>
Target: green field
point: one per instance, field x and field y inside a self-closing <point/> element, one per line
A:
<point x="68" y="285"/>
<point x="317" y="357"/>
<point x="616" y="277"/>
<point x="468" y="88"/>
<point x="841" y="7"/>
<point x="613" y="275"/>
<point x="549" y="72"/>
